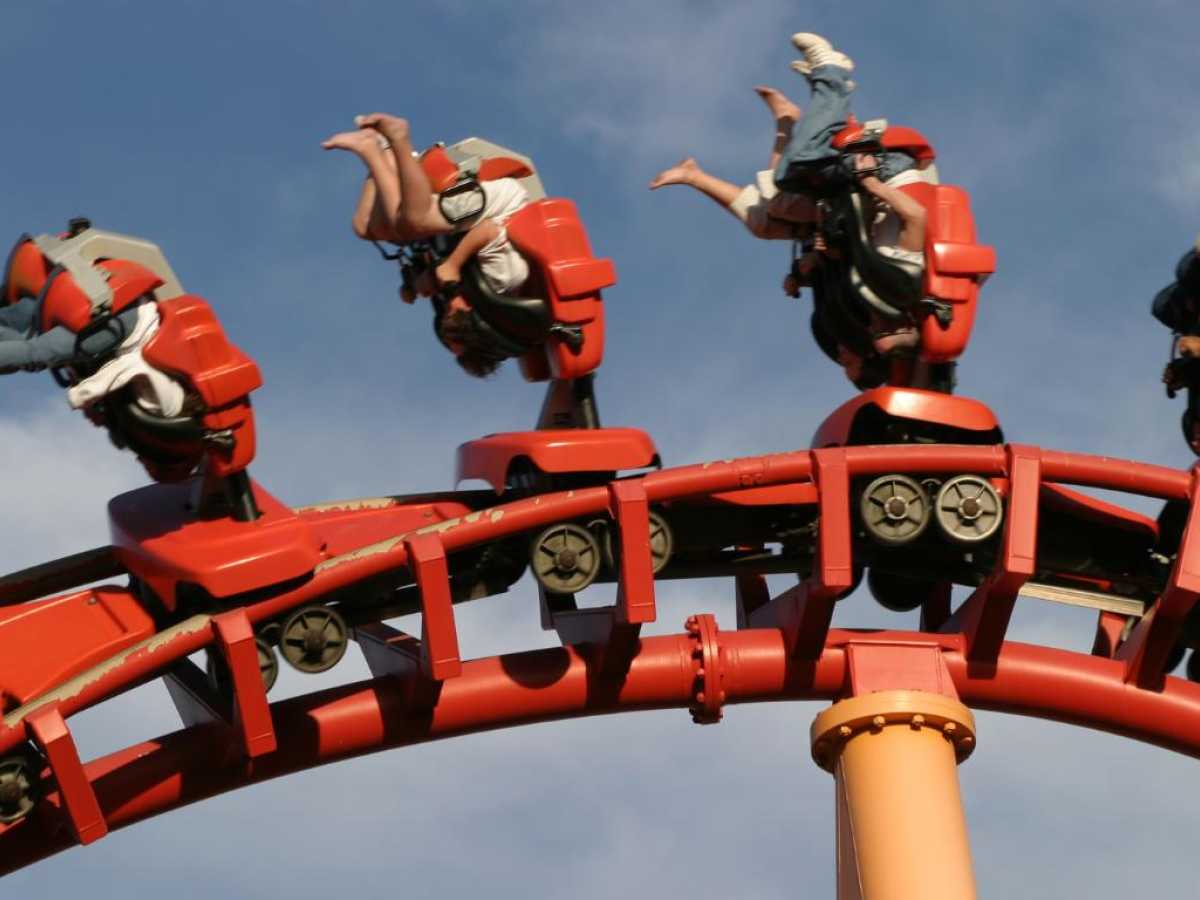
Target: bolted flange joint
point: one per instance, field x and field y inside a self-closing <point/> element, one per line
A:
<point x="872" y="713"/>
<point x="708" y="669"/>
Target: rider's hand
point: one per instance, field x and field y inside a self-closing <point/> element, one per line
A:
<point x="1170" y="377"/>
<point x="1189" y="345"/>
<point x="447" y="273"/>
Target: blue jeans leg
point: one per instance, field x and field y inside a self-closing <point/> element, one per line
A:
<point x="809" y="157"/>
<point x="16" y="321"/>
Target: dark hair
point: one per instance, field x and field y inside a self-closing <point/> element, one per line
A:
<point x="477" y="358"/>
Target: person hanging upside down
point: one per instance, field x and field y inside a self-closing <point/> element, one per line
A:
<point x="398" y="204"/>
<point x="783" y="202"/>
<point x="46" y="323"/>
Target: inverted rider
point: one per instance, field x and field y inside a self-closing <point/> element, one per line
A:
<point x="805" y="167"/>
<point x="398" y="204"/>
<point x="60" y="310"/>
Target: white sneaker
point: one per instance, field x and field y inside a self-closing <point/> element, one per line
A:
<point x="819" y="52"/>
<point x="806" y="70"/>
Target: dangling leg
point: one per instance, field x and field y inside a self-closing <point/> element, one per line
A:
<point x="16" y="320"/>
<point x="380" y="192"/>
<point x="786" y="114"/>
<point x="419" y="213"/>
<point x="809" y="154"/>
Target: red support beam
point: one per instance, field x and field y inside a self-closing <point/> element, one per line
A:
<point x="252" y="715"/>
<point x="834" y="571"/>
<point x="1146" y="650"/>
<point x="897" y="666"/>
<point x="439" y="635"/>
<point x="1110" y="627"/>
<point x="49" y="731"/>
<point x="630" y="509"/>
<point x="752" y="593"/>
<point x="984" y="616"/>
<point x="804" y="613"/>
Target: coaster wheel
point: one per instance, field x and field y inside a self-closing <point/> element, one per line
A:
<point x="218" y="672"/>
<point x="20" y="785"/>
<point x="895" y="509"/>
<point x="565" y="558"/>
<point x="662" y="542"/>
<point x="968" y="509"/>
<point x="314" y="639"/>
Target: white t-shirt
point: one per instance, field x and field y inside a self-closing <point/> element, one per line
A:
<point x="502" y="266"/>
<point x="154" y="391"/>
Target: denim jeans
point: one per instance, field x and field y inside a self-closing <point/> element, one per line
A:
<point x="21" y="346"/>
<point x="809" y="163"/>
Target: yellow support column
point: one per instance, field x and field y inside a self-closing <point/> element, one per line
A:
<point x="901" y="830"/>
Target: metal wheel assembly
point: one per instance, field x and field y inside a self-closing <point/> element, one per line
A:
<point x="662" y="543"/>
<point x="218" y="671"/>
<point x="968" y="509"/>
<point x="20" y="786"/>
<point x="565" y="558"/>
<point x="895" y="509"/>
<point x="314" y="638"/>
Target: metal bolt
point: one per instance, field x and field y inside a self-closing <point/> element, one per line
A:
<point x="917" y="721"/>
<point x="878" y="722"/>
<point x="845" y="731"/>
<point x="967" y="742"/>
<point x="949" y="729"/>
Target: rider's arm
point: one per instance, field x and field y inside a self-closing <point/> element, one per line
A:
<point x="911" y="212"/>
<point x="472" y="242"/>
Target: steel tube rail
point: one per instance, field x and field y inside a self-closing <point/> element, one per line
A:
<point x="543" y="685"/>
<point x="522" y="515"/>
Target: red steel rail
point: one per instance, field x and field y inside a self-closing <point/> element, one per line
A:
<point x="521" y="688"/>
<point x="424" y="691"/>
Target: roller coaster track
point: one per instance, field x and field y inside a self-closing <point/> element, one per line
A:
<point x="783" y="648"/>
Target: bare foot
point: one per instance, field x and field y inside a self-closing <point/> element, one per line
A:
<point x="681" y="173"/>
<point x="361" y="142"/>
<point x="393" y="128"/>
<point x="783" y="109"/>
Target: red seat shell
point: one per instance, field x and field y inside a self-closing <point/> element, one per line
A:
<point x="556" y="450"/>
<point x="191" y="345"/>
<point x="25" y="273"/>
<point x="550" y="235"/>
<point x="158" y="538"/>
<point x="955" y="267"/>
<point x="906" y="403"/>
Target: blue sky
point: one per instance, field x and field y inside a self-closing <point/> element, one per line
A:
<point x="198" y="125"/>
